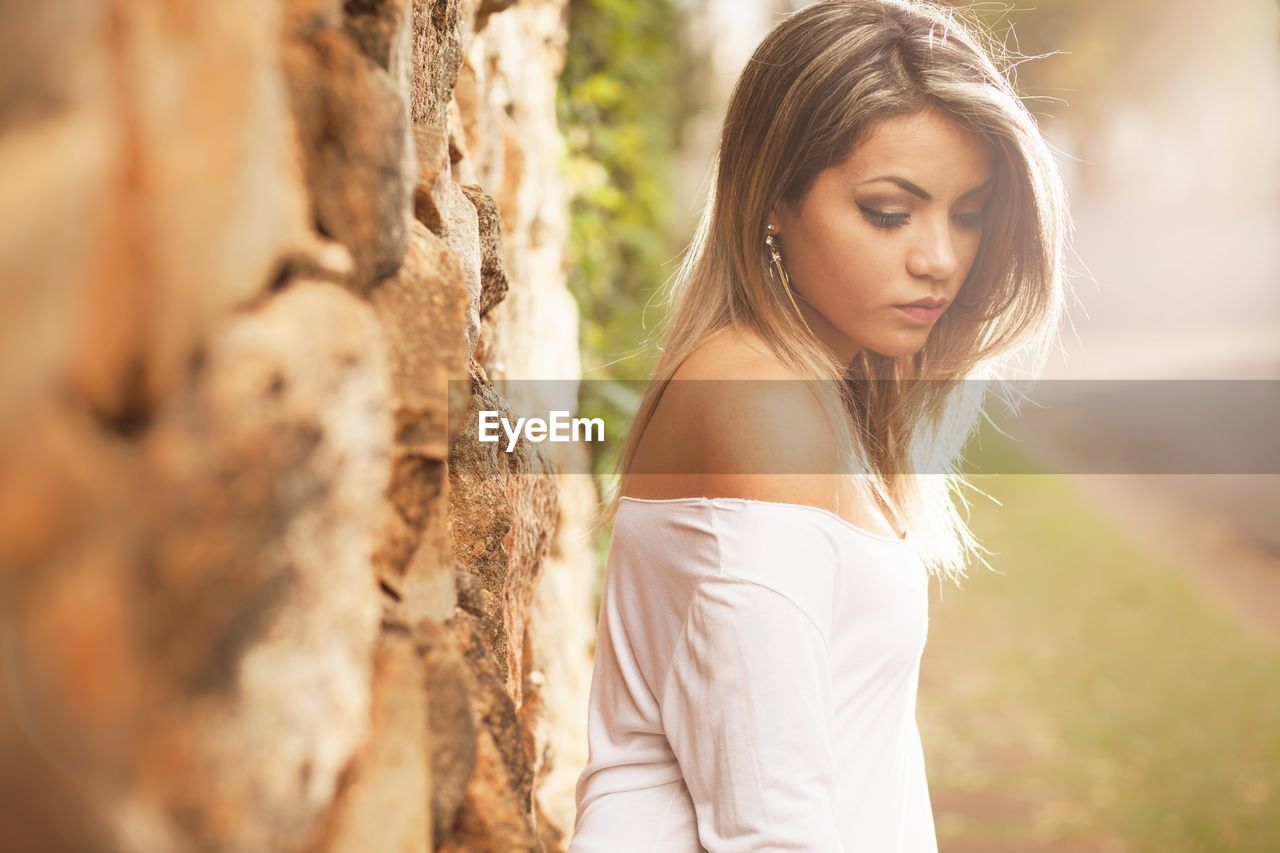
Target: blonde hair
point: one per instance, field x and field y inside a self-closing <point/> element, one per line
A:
<point x="810" y="92"/>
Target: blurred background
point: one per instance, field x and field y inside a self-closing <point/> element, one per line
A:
<point x="1117" y="687"/>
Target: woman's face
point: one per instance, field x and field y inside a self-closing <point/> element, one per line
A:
<point x="901" y="219"/>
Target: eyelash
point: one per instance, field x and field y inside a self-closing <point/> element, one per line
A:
<point x="893" y="221"/>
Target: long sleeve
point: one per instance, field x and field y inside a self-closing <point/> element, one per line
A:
<point x="747" y="709"/>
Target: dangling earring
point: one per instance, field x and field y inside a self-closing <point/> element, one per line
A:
<point x="777" y="258"/>
<point x="782" y="277"/>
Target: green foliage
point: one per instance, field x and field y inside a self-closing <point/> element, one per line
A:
<point x="618" y="106"/>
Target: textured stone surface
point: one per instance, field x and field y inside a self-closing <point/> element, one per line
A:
<point x="452" y="728"/>
<point x="502" y="528"/>
<point x="493" y="276"/>
<point x="440" y="27"/>
<point x="353" y="123"/>
<point x="61" y="150"/>
<point x="120" y="134"/>
<point x="231" y="591"/>
<point x="431" y="145"/>
<point x="461" y="227"/>
<point x="427" y="313"/>
<point x="501" y="133"/>
<point x="226" y="203"/>
<point x="260" y="588"/>
<point x="496" y="808"/>
<point x="415" y="567"/>
<point x="293" y="404"/>
<point x="73" y="690"/>
<point x="383" y="30"/>
<point x="384" y="803"/>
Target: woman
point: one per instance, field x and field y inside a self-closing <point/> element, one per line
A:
<point x="765" y="601"/>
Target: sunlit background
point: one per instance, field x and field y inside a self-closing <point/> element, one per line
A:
<point x="1115" y="687"/>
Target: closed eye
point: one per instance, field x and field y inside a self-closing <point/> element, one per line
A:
<point x="887" y="221"/>
<point x="971" y="220"/>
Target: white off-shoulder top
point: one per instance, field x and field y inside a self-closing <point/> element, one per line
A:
<point x="756" y="668"/>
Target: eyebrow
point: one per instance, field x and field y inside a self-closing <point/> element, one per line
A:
<point x="916" y="191"/>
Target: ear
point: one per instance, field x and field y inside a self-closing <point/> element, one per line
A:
<point x="777" y="218"/>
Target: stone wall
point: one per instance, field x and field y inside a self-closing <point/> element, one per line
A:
<point x="257" y="591"/>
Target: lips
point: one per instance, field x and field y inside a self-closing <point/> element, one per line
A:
<point x="924" y="310"/>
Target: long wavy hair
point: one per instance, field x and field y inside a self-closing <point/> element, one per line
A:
<point x="815" y="86"/>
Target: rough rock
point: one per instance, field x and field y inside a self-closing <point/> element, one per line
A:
<point x="384" y="803"/>
<point x="260" y="588"/>
<point x="439" y="31"/>
<point x="493" y="278"/>
<point x="497" y="807"/>
<point x="430" y="197"/>
<point x="502" y="528"/>
<point x="451" y="724"/>
<point x="358" y="161"/>
<point x="260" y="591"/>
<point x="120" y="138"/>
<point x="428" y="315"/>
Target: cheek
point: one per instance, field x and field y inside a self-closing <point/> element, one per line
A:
<point x="854" y="245"/>
<point x="969" y="246"/>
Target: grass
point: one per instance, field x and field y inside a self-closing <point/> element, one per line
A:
<point x="1090" y="697"/>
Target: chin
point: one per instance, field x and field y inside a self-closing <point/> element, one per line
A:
<point x="897" y="346"/>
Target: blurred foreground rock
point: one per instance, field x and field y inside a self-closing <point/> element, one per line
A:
<point x="251" y="595"/>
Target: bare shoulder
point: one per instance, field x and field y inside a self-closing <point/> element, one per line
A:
<point x="737" y="422"/>
<point x="732" y="353"/>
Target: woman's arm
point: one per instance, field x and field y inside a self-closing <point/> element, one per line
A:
<point x="747" y="710"/>
<point x="746" y="702"/>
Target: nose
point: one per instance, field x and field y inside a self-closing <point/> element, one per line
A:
<point x="933" y="255"/>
